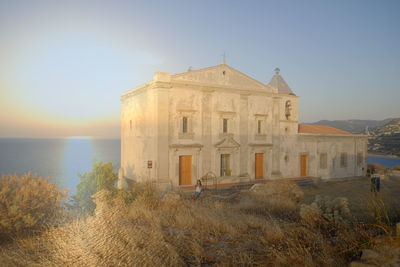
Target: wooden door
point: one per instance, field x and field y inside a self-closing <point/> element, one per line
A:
<point x="303" y="165"/>
<point x="185" y="170"/>
<point x="259" y="165"/>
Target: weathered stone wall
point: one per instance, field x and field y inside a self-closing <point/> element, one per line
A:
<point x="313" y="145"/>
<point x="138" y="135"/>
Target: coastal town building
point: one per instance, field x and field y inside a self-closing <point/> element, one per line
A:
<point x="177" y="128"/>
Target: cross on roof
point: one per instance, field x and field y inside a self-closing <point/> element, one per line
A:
<point x="223" y="58"/>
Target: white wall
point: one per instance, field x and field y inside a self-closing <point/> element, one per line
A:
<point x="138" y="142"/>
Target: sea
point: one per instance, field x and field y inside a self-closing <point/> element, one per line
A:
<point x="63" y="159"/>
<point x="60" y="159"/>
<point x="388" y="162"/>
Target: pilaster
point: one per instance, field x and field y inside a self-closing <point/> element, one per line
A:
<point x="276" y="138"/>
<point x="244" y="133"/>
<point x="206" y="122"/>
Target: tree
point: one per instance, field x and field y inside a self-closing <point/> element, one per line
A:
<point x="100" y="177"/>
<point x="28" y="202"/>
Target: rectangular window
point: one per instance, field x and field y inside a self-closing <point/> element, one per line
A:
<point x="343" y="160"/>
<point x="259" y="126"/>
<point x="225" y="165"/>
<point x="224" y="125"/>
<point x="184" y="124"/>
<point x="323" y="161"/>
<point x="359" y="159"/>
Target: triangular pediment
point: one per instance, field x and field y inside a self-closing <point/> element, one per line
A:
<point x="227" y="142"/>
<point x="222" y="75"/>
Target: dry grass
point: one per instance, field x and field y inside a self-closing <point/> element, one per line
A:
<point x="358" y="192"/>
<point x="249" y="228"/>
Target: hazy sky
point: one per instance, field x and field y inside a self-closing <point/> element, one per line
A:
<point x="65" y="64"/>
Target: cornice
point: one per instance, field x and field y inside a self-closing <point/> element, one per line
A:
<point x="135" y="91"/>
<point x="208" y="88"/>
<point x="289" y="121"/>
<point x="260" y="145"/>
<point x="195" y="145"/>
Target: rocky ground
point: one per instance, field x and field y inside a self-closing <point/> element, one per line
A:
<point x="386" y="253"/>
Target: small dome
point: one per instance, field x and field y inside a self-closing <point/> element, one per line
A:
<point x="278" y="82"/>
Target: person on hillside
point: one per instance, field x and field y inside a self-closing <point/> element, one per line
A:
<point x="375" y="182"/>
<point x="198" y="190"/>
<point x="378" y="182"/>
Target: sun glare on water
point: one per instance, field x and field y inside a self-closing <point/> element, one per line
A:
<point x="78" y="156"/>
<point x="80" y="137"/>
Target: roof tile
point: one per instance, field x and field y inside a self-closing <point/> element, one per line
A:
<point x="320" y="129"/>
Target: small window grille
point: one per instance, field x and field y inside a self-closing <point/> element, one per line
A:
<point x="286" y="158"/>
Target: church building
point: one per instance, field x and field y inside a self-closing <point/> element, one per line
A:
<point x="177" y="128"/>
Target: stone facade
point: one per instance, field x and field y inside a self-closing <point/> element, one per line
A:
<point x="177" y="128"/>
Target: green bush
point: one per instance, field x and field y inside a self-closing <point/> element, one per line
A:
<point x="28" y="202"/>
<point x="100" y="177"/>
<point x="325" y="210"/>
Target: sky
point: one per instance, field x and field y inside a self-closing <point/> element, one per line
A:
<point x="65" y="64"/>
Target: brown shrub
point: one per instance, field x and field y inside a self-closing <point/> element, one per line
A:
<point x="276" y="206"/>
<point x="28" y="202"/>
<point x="397" y="168"/>
<point x="376" y="166"/>
<point x="287" y="189"/>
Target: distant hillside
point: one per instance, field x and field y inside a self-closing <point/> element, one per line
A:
<point x="384" y="134"/>
<point x="353" y="126"/>
<point x="385" y="139"/>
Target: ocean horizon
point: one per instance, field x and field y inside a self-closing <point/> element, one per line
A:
<point x="62" y="159"/>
